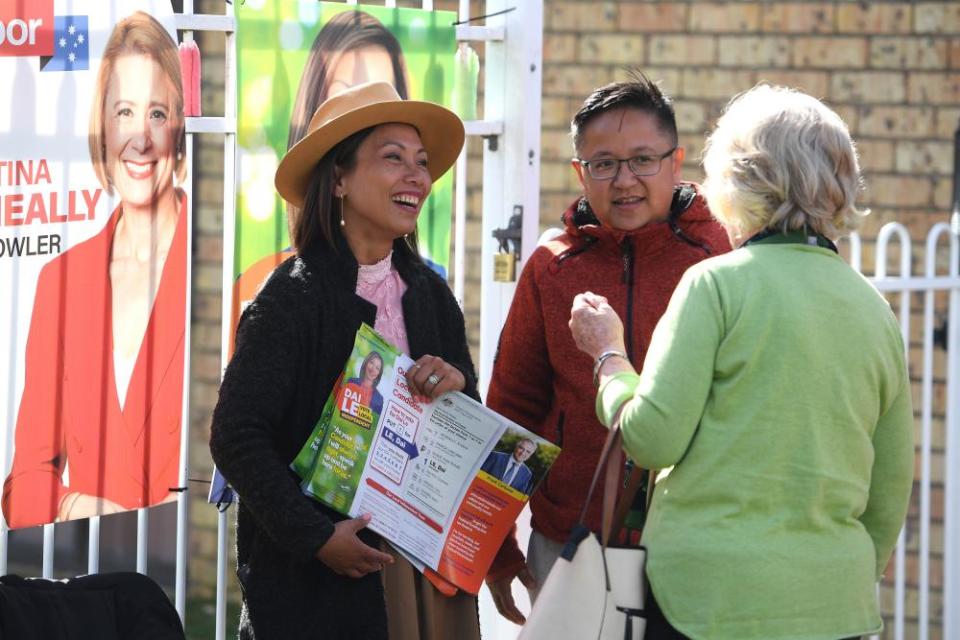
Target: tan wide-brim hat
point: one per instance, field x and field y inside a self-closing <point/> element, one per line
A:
<point x="368" y="105"/>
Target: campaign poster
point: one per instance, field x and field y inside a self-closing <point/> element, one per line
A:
<point x="285" y="47"/>
<point x="93" y="257"/>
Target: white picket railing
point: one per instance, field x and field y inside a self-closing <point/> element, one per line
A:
<point x="939" y="284"/>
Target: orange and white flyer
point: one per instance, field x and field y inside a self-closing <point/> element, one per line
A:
<point x="444" y="480"/>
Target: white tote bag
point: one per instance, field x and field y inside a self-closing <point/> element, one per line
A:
<point x="594" y="590"/>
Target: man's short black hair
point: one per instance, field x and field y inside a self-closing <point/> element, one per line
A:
<point x="638" y="93"/>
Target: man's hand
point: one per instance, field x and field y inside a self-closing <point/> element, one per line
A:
<point x="503" y="595"/>
<point x="346" y="555"/>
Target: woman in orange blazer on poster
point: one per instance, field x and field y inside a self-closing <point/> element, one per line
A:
<point x="98" y="429"/>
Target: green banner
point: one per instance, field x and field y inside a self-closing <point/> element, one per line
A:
<point x="317" y="49"/>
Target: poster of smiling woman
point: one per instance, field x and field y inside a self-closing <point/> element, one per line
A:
<point x="93" y="250"/>
<point x="291" y="56"/>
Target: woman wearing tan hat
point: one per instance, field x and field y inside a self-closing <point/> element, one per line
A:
<point x="353" y="47"/>
<point x="358" y="180"/>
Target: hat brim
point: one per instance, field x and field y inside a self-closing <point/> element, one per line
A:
<point x="441" y="132"/>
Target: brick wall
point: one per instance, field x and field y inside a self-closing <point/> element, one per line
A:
<point x="891" y="69"/>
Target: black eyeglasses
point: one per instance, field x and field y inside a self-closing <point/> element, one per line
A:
<point x="640" y="166"/>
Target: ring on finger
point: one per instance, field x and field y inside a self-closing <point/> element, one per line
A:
<point x="434" y="379"/>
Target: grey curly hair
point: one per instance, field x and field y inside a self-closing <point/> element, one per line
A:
<point x="781" y="159"/>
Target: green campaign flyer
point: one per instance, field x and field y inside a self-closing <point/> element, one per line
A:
<point x="337" y="451"/>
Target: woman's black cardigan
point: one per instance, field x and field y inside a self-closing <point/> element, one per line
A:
<point x="292" y="343"/>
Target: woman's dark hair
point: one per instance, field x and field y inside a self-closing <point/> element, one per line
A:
<point x="318" y="223"/>
<point x="366" y="361"/>
<point x="347" y="31"/>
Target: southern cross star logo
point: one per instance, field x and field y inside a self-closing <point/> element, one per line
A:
<point x="73" y="51"/>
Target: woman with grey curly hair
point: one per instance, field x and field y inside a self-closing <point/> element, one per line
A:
<point x="775" y="386"/>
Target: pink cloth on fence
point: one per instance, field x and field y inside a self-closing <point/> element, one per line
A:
<point x="380" y="284"/>
<point x="190" y="72"/>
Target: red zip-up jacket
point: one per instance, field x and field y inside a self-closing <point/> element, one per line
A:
<point x="543" y="382"/>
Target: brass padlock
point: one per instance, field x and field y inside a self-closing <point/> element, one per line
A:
<point x="504" y="267"/>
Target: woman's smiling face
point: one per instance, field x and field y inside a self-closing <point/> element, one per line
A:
<point x="140" y="130"/>
<point x="373" y="369"/>
<point x="383" y="193"/>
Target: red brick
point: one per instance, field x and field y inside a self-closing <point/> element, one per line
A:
<point x="830" y="53"/>
<point x="908" y="53"/>
<point x="724" y="17"/>
<point x="848" y="113"/>
<point x="622" y="49"/>
<point x="208" y="249"/>
<point x="874" y="18"/>
<point x="947" y="122"/>
<point x="876" y="155"/>
<point x="556" y="176"/>
<point x="205" y="366"/>
<point x="937" y="17"/>
<point x="559" y="47"/>
<point x="555" y="112"/>
<point x="654" y="16"/>
<point x="715" y="84"/>
<point x="574" y="79"/>
<point x="868" y="87"/>
<point x="556" y="144"/>
<point x="798" y="17"/>
<point x="896" y="122"/>
<point x="754" y="51"/>
<point x="925" y="157"/>
<point x="691" y="116"/>
<point x="934" y="88"/>
<point x="581" y="16"/>
<point x="682" y="50"/>
<point x="893" y="190"/>
<point x="813" y="82"/>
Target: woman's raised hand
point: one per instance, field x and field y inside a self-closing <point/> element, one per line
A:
<point x="595" y="325"/>
<point x="431" y="376"/>
<point x="347" y="555"/>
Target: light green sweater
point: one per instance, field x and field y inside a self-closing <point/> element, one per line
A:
<point x="776" y="384"/>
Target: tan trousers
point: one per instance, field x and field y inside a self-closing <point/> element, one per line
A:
<point x="417" y="611"/>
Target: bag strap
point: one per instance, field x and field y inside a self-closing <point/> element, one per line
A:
<point x="611" y="460"/>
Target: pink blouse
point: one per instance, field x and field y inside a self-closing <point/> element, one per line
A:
<point x="380" y="284"/>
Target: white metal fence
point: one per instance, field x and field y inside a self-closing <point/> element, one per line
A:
<point x="926" y="290"/>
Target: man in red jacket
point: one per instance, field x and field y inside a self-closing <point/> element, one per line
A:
<point x="630" y="237"/>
